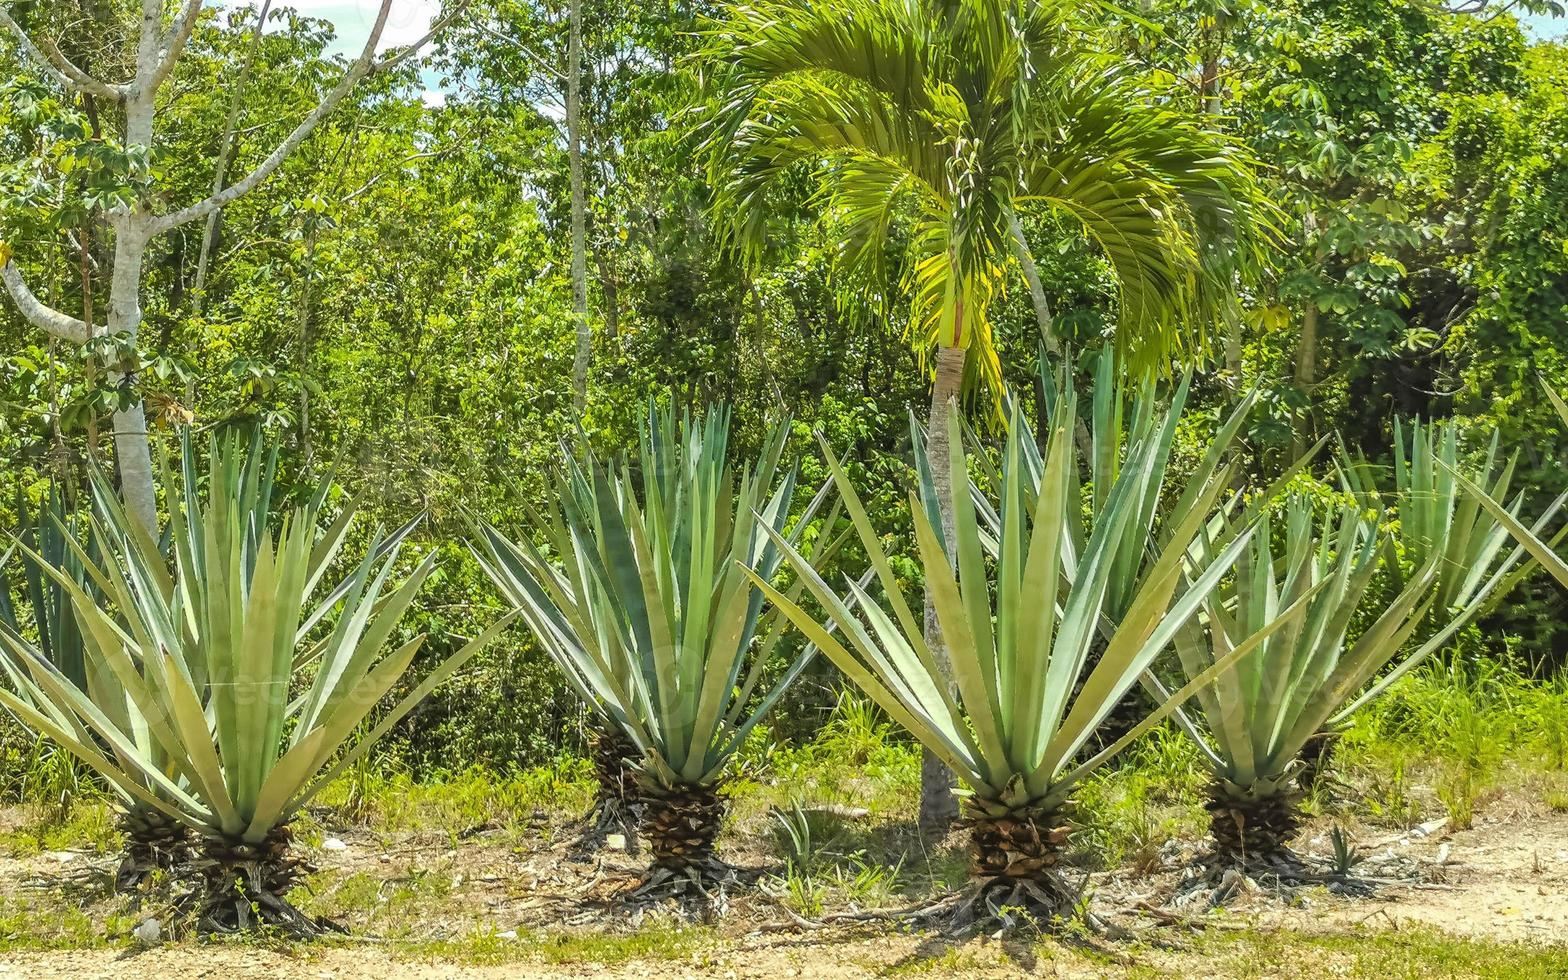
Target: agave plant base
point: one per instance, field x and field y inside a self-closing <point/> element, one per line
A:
<point x="1015" y="873"/>
<point x="154" y="843"/>
<point x="243" y="887"/>
<point x="1252" y="827"/>
<point x="682" y="825"/>
<point x="618" y="803"/>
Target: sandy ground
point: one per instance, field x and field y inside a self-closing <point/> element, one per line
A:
<point x="1505" y="879"/>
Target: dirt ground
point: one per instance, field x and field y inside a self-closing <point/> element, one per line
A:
<point x="1503" y="882"/>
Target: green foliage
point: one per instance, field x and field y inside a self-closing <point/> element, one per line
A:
<point x="646" y="607"/>
<point x="1261" y="714"/>
<point x="1017" y="661"/>
<point x="189" y="708"/>
<point x="396" y="296"/>
<point x="49" y="535"/>
<point x="954" y="119"/>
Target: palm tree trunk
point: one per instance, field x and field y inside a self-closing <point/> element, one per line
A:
<point x="938" y="805"/>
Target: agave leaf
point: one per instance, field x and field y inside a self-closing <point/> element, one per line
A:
<point x="643" y="604"/>
<point x="1019" y="631"/>
<point x="189" y="675"/>
<point x="1528" y="537"/>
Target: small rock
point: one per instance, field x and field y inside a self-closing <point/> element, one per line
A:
<point x="148" y="932"/>
<point x="64" y="857"/>
<point x="615" y="842"/>
<point x="841" y="811"/>
<point x="508" y="934"/>
<point x="333" y="844"/>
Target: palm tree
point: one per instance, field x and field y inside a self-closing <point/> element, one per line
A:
<point x="952" y="117"/>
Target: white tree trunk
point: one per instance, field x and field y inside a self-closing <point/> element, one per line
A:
<point x="132" y="451"/>
<point x="132" y="230"/>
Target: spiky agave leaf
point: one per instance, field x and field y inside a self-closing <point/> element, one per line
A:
<point x="1124" y="417"/>
<point x="1532" y="538"/>
<point x="1437" y="518"/>
<point x="1310" y="678"/>
<point x="43" y="533"/>
<point x="1261" y="714"/>
<point x="1464" y="542"/>
<point x="1019" y="632"/>
<point x="645" y="605"/>
<point x="193" y="715"/>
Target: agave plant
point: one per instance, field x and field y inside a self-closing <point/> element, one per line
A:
<point x="1306" y="682"/>
<point x="212" y="697"/>
<point x="1436" y="519"/>
<point x="1261" y="714"/>
<point x="1020" y="630"/>
<point x="1124" y="417"/>
<point x="645" y="605"/>
<point x="1438" y="522"/>
<point x="47" y="547"/>
<point x="50" y="620"/>
<point x="1531" y="538"/>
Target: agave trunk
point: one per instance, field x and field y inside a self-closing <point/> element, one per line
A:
<point x="619" y="801"/>
<point x="1317" y="759"/>
<point x="154" y="843"/>
<point x="243" y="886"/>
<point x="1252" y="826"/>
<point x="1015" y="866"/>
<point x="682" y="824"/>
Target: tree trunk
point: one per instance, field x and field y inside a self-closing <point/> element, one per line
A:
<point x="574" y="154"/>
<point x="303" y="339"/>
<point x="1042" y="309"/>
<point x="938" y="805"/>
<point x="132" y="451"/>
<point x="612" y="296"/>
<point x="1306" y="370"/>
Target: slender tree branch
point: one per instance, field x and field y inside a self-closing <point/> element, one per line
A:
<point x="358" y="70"/>
<point x="225" y="154"/>
<point x="527" y="52"/>
<point x="174" y="42"/>
<point x="46" y="318"/>
<point x="378" y="178"/>
<point x="49" y="59"/>
<point x="388" y="63"/>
